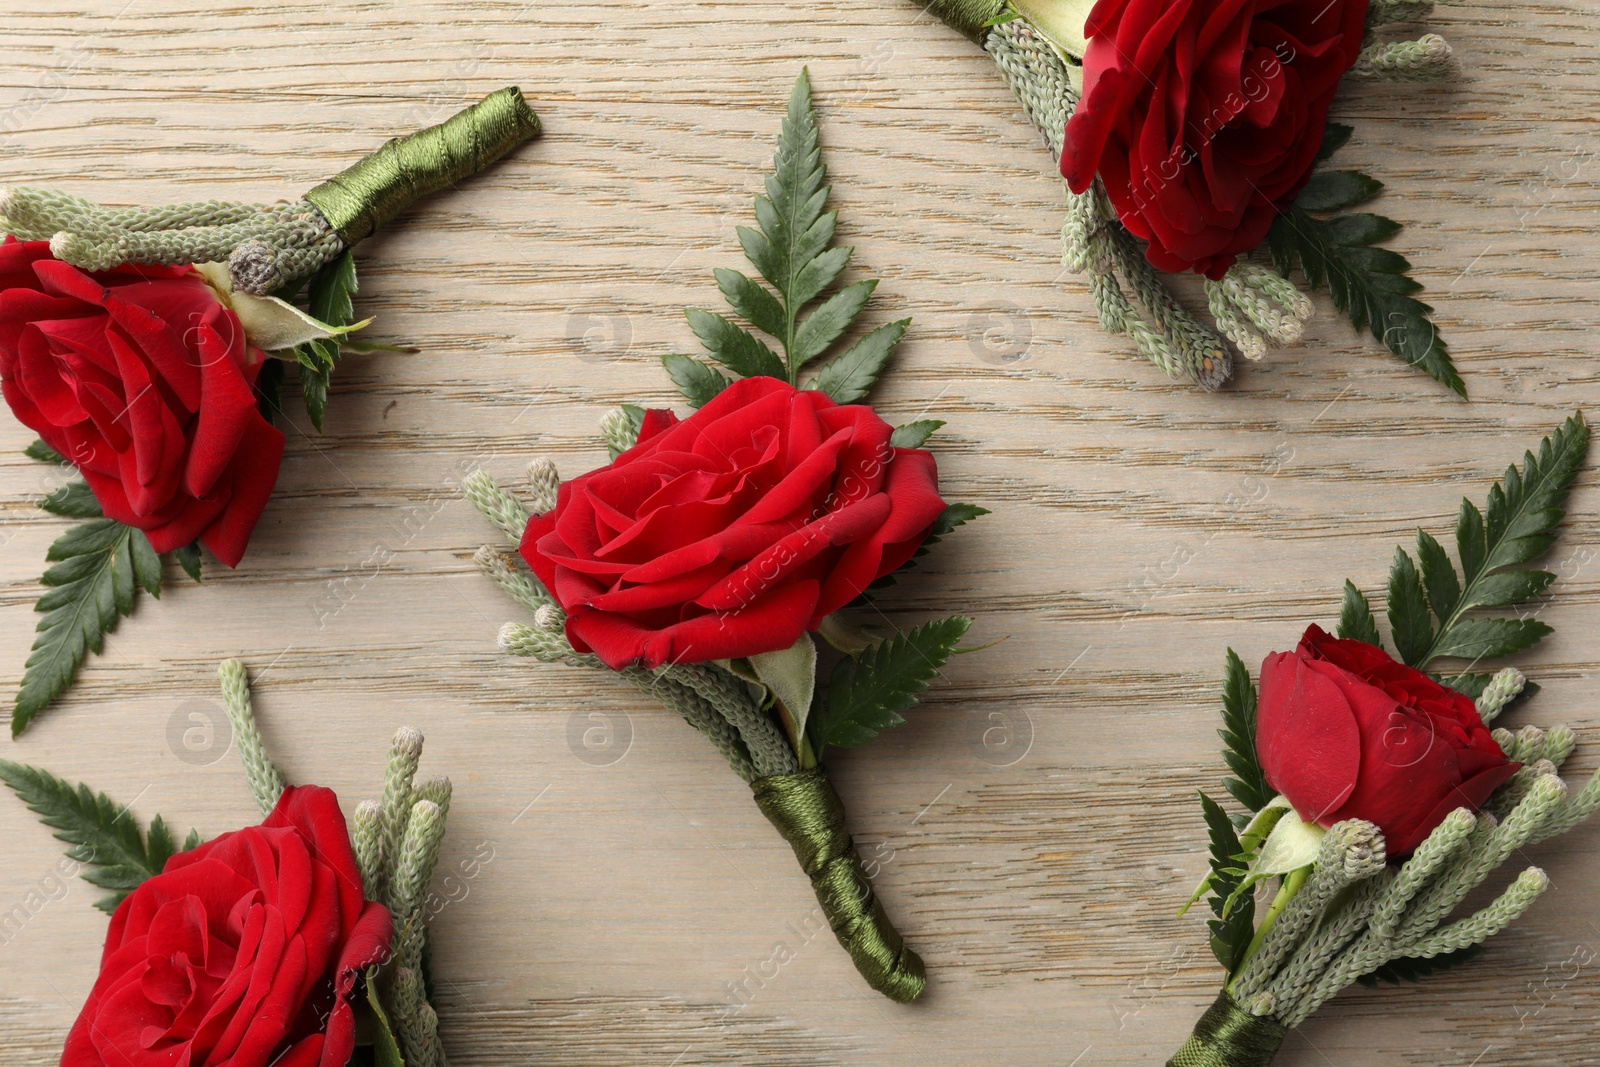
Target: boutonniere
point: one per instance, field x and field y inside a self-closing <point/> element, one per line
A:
<point x="300" y="942"/>
<point x="1194" y="137"/>
<point x="1376" y="796"/>
<point x="145" y="345"/>
<point x="704" y="563"/>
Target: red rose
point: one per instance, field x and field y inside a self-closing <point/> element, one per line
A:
<point x="144" y="380"/>
<point x="242" y="952"/>
<point x="1203" y="117"/>
<point x="1345" y="732"/>
<point x="734" y="531"/>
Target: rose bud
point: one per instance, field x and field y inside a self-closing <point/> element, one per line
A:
<point x="244" y="950"/>
<point x="734" y="531"/>
<point x="1345" y="732"/>
<point x="144" y="380"/>
<point x="1203" y="117"/>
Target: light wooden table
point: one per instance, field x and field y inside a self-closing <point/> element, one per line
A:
<point x="1138" y="529"/>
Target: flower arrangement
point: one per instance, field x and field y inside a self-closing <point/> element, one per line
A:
<point x="300" y="942"/>
<point x="1378" y="796"/>
<point x="704" y="562"/>
<point x="134" y="342"/>
<point x="1193" y="136"/>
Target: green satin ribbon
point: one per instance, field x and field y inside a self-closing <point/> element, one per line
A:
<point x="970" y="17"/>
<point x="1229" y="1036"/>
<point x="809" y="815"/>
<point x="382" y="185"/>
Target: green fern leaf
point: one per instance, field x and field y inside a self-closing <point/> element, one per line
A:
<point x="1230" y="933"/>
<point x="1355" y="617"/>
<point x="792" y="249"/>
<point x="1415" y="968"/>
<point x="1238" y="734"/>
<point x="90" y="586"/>
<point x="103" y="835"/>
<point x="867" y="692"/>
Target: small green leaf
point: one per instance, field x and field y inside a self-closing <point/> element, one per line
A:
<point x="1230" y="933"/>
<point x="103" y="835"/>
<point x="824" y="325"/>
<point x="696" y="381"/>
<point x="146" y="564"/>
<point x="1333" y="190"/>
<point x="385" y="1049"/>
<point x="1362" y="281"/>
<point x="75" y="500"/>
<point x="734" y="347"/>
<point x="867" y="692"/>
<point x="1504" y="588"/>
<point x="188" y="558"/>
<point x="1476" y="639"/>
<point x="314" y="391"/>
<point x="914" y="434"/>
<point x="91" y="584"/>
<point x="43" y="453"/>
<point x="1355" y="617"/>
<point x="1408" y="610"/>
<point x="1438" y="576"/>
<point x="1334" y="136"/>
<point x="849" y="377"/>
<point x="1361" y="229"/>
<point x="1239" y="737"/>
<point x="1470" y="539"/>
<point x="749" y="299"/>
<point x="955" y="515"/>
<point x="791" y="675"/>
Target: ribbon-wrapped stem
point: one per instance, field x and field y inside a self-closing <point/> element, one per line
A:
<point x="365" y="196"/>
<point x="1229" y="1036"/>
<point x="808" y="813"/>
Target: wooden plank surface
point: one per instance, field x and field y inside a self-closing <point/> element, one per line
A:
<point x="1035" y="820"/>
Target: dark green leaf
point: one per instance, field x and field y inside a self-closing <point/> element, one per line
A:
<point x="1361" y="229"/>
<point x="749" y="299"/>
<point x="696" y="381"/>
<point x="1517" y="526"/>
<point x="866" y="692"/>
<point x="1408" y="611"/>
<point x="1334" y="136"/>
<point x="824" y="325"/>
<point x="955" y="515"/>
<point x="1415" y="968"/>
<point x="1362" y="284"/>
<point x="146" y="564"/>
<point x="1477" y="639"/>
<point x="1470" y="539"/>
<point x="332" y="290"/>
<point x="1438" y="576"/>
<point x="75" y="500"/>
<point x="43" y="453"/>
<point x="914" y="434"/>
<point x="1355" y="617"/>
<point x="1333" y="190"/>
<point x="1238" y="735"/>
<point x="848" y="378"/>
<point x="91" y="584"/>
<point x="1230" y="934"/>
<point x="1504" y="588"/>
<point x="734" y="347"/>
<point x="103" y="835"/>
<point x="314" y="391"/>
<point x="188" y="558"/>
<point x="385" y="1050"/>
<point x="269" y="383"/>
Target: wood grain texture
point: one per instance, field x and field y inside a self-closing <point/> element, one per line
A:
<point x="1035" y="820"/>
